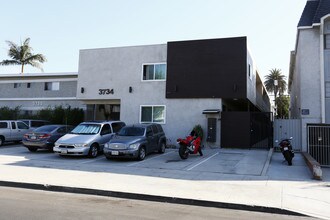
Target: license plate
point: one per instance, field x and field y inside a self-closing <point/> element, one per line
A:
<point x="33" y="137"/>
<point x="64" y="151"/>
<point x="286" y="148"/>
<point x="114" y="152"/>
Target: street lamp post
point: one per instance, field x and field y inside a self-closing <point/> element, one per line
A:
<point x="275" y="93"/>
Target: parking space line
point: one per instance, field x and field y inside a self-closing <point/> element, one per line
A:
<point x="150" y="159"/>
<point x="203" y="161"/>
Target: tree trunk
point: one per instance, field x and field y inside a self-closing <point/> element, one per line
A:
<point x="22" y="69"/>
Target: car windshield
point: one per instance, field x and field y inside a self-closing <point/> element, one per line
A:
<point x="131" y="131"/>
<point x="47" y="128"/>
<point x="86" y="129"/>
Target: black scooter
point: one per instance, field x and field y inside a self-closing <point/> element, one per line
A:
<point x="286" y="149"/>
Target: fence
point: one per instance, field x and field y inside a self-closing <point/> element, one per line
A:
<point x="286" y="128"/>
<point x="318" y="142"/>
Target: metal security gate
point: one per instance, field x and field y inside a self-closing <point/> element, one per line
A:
<point x="318" y="142"/>
<point x="286" y="128"/>
<point x="246" y="130"/>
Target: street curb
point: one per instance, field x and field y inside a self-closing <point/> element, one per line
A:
<point x="266" y="166"/>
<point x="313" y="165"/>
<point x="136" y="196"/>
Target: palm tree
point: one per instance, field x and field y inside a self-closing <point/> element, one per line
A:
<point x="22" y="55"/>
<point x="276" y="74"/>
<point x="275" y="82"/>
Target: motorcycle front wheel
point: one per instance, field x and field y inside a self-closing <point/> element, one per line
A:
<point x="183" y="152"/>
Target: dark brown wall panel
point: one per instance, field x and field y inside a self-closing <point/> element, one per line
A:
<point x="213" y="68"/>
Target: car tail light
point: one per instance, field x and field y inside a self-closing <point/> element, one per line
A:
<point x="26" y="136"/>
<point x="45" y="136"/>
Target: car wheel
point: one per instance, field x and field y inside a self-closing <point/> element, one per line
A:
<point x="142" y="153"/>
<point x="93" y="151"/>
<point x="32" y="149"/>
<point x="1" y="141"/>
<point x="162" y="148"/>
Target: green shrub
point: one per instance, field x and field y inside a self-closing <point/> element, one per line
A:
<point x="7" y="113"/>
<point x="58" y="115"/>
<point x="198" y="129"/>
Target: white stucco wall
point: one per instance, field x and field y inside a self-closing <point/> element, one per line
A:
<point x="121" y="68"/>
<point x="251" y="80"/>
<point x="307" y="83"/>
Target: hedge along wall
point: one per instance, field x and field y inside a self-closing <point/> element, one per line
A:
<point x="57" y="115"/>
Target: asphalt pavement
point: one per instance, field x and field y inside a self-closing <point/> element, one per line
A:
<point x="256" y="180"/>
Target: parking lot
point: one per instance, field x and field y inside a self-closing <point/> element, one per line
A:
<point x="220" y="161"/>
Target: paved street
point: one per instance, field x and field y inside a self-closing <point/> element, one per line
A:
<point x="49" y="205"/>
<point x="254" y="180"/>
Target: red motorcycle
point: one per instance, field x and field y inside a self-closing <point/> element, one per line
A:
<point x="190" y="145"/>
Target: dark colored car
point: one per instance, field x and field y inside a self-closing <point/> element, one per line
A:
<point x="136" y="141"/>
<point x="44" y="137"/>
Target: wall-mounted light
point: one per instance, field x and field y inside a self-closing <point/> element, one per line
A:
<point x="130" y="89"/>
<point x="82" y="89"/>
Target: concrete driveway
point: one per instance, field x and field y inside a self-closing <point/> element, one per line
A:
<point x="214" y="161"/>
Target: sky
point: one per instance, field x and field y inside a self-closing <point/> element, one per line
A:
<point x="59" y="29"/>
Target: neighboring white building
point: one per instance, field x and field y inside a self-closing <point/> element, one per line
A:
<point x="33" y="92"/>
<point x="309" y="77"/>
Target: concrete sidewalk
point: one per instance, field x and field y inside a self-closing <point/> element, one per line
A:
<point x="260" y="181"/>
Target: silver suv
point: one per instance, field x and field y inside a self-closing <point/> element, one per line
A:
<point x="87" y="139"/>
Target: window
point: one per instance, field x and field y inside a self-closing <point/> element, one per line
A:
<point x="250" y="71"/>
<point x="149" y="132"/>
<point x="154" y="71"/>
<point x="13" y="125"/>
<point x="22" y="125"/>
<point x="154" y="114"/>
<point x="28" y="85"/>
<point x="3" y="125"/>
<point x="17" y="85"/>
<point x="52" y="86"/>
<point x="106" y="129"/>
<point x="327" y="41"/>
<point x="154" y="129"/>
<point x="116" y="126"/>
<point x="38" y="123"/>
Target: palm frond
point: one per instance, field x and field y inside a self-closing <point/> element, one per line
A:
<point x="36" y="57"/>
<point x="9" y="62"/>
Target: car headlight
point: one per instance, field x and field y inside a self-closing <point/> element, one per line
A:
<point x="134" y="146"/>
<point x="80" y="145"/>
<point x="56" y="144"/>
<point x="106" y="145"/>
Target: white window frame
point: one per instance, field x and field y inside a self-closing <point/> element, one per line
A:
<point x="57" y="88"/>
<point x="140" y="117"/>
<point x="153" y="80"/>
